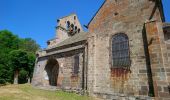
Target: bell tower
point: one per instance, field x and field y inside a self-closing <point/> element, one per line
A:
<point x="68" y="26"/>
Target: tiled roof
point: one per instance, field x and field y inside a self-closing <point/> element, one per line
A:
<point x="76" y="38"/>
<point x="166" y="25"/>
<point x="67" y="15"/>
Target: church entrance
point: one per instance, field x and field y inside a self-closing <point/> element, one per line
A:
<point x="52" y="69"/>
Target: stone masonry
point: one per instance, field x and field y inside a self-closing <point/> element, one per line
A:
<point x="83" y="61"/>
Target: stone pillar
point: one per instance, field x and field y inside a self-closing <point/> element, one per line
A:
<point x="90" y="64"/>
<point x="85" y="64"/>
<point x="158" y="58"/>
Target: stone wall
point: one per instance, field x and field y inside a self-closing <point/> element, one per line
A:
<point x="148" y="75"/>
<point x="158" y="58"/>
<point x="168" y="48"/>
<point x="62" y="30"/>
<point x="120" y="16"/>
<point x="66" y="78"/>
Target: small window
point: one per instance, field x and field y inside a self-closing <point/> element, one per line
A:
<point x="58" y="21"/>
<point x="78" y="30"/>
<point x="120" y="51"/>
<point x="75" y="28"/>
<point x="68" y="25"/>
<point x="48" y="43"/>
<point x="74" y="17"/>
<point x="72" y="26"/>
<point x="76" y="64"/>
<point x="167" y="33"/>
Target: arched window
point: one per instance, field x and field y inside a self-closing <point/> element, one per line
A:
<point x="74" y="17"/>
<point x="120" y="51"/>
<point x="68" y="25"/>
<point x="72" y="26"/>
<point x="78" y="30"/>
<point x="75" y="28"/>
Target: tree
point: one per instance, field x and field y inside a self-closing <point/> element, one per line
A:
<point x="18" y="61"/>
<point x="23" y="76"/>
<point x="30" y="68"/>
<point x="17" y="55"/>
<point x="8" y="42"/>
<point x="28" y="45"/>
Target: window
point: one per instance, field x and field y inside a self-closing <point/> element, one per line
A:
<point x="76" y="64"/>
<point x="75" y="28"/>
<point x="68" y="25"/>
<point x="74" y="17"/>
<point x="72" y="26"/>
<point x="78" y="30"/>
<point x="166" y="33"/>
<point x="120" y="51"/>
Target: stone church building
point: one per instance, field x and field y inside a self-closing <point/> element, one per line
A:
<point x="125" y="55"/>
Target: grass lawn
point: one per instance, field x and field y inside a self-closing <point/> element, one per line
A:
<point x="27" y="92"/>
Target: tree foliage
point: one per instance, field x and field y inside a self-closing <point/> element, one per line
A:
<point x="18" y="59"/>
<point x="16" y="54"/>
<point x="28" y="45"/>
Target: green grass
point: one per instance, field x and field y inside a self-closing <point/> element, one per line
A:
<point x="27" y="92"/>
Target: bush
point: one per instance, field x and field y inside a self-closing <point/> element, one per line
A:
<point x="23" y="76"/>
<point x="2" y="81"/>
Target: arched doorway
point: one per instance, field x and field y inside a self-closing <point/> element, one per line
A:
<point x="52" y="69"/>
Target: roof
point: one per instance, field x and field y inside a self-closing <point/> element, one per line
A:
<point x="67" y="15"/>
<point x="64" y="50"/>
<point x="161" y="9"/>
<point x="76" y="38"/>
<point x="165" y="25"/>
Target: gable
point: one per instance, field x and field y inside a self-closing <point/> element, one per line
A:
<point x="121" y="10"/>
<point x="96" y="13"/>
<point x="109" y="9"/>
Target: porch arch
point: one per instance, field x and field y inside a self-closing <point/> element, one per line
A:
<point x="52" y="69"/>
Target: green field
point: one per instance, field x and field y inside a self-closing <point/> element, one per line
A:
<point x="27" y="92"/>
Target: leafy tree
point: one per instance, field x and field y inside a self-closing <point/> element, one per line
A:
<point x="29" y="45"/>
<point x="8" y="42"/>
<point x="30" y="68"/>
<point x="17" y="56"/>
<point x="5" y="74"/>
<point x="18" y="61"/>
<point x="23" y="76"/>
<point x="22" y="64"/>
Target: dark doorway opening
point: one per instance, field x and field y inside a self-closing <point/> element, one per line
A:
<point x="52" y="69"/>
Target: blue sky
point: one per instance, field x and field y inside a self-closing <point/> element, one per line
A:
<point x="37" y="18"/>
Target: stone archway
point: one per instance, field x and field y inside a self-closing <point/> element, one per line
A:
<point x="52" y="69"/>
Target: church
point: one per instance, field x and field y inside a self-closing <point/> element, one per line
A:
<point x="125" y="55"/>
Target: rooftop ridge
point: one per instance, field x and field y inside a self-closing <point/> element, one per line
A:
<point x="67" y="15"/>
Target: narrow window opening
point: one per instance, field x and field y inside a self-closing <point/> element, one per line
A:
<point x="167" y="33"/>
<point x="74" y="17"/>
<point x="68" y="25"/>
<point x="75" y="27"/>
<point x="78" y="30"/>
<point x="76" y="65"/>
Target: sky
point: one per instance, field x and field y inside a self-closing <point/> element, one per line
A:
<point x="37" y="19"/>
